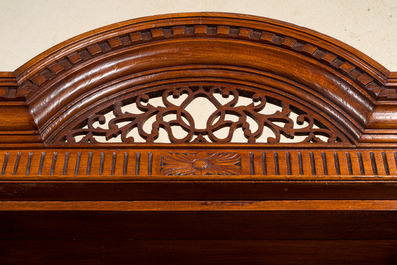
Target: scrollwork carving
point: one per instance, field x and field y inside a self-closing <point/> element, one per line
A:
<point x="280" y="123"/>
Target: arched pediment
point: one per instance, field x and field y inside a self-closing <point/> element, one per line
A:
<point x="80" y="76"/>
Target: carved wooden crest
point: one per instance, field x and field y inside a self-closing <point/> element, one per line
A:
<point x="204" y="112"/>
<point x="199" y="83"/>
<point x="196" y="84"/>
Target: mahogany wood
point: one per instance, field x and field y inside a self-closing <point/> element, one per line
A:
<point x="77" y="187"/>
<point x="365" y="252"/>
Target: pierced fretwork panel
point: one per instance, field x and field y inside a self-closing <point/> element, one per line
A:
<point x="205" y="114"/>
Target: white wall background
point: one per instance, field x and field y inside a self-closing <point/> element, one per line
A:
<point x="28" y="27"/>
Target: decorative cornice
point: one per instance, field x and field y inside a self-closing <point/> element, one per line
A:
<point x="324" y="50"/>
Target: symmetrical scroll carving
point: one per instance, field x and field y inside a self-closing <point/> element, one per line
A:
<point x="200" y="164"/>
<point x="227" y="117"/>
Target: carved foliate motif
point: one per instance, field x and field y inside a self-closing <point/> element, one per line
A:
<point x="228" y="116"/>
<point x="200" y="164"/>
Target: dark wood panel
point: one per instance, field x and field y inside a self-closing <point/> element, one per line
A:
<point x="199" y="190"/>
<point x="258" y="225"/>
<point x="192" y="252"/>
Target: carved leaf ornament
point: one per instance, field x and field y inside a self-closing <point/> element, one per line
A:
<point x="201" y="164"/>
<point x="228" y="115"/>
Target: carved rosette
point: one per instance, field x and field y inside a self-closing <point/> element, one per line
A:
<point x="200" y="164"/>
